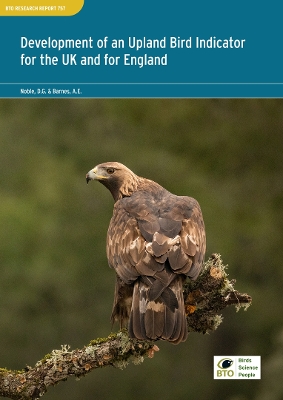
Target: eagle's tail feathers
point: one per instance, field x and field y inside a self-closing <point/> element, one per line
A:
<point x="163" y="318"/>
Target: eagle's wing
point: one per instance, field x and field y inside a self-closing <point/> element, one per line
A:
<point x="192" y="246"/>
<point x="152" y="245"/>
<point x="125" y="246"/>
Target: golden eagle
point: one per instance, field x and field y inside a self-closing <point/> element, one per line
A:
<point x="155" y="240"/>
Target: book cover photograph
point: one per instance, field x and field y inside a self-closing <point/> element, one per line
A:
<point x="141" y="200"/>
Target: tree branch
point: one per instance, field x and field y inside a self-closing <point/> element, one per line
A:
<point x="204" y="298"/>
<point x="32" y="383"/>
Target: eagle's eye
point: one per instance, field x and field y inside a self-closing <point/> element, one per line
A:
<point x="110" y="171"/>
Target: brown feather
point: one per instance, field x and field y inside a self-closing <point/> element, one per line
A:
<point x="136" y="323"/>
<point x="169" y="326"/>
<point x="154" y="320"/>
<point x="122" y="302"/>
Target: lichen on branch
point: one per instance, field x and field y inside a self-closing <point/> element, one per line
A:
<point x="32" y="383"/>
<point x="209" y="294"/>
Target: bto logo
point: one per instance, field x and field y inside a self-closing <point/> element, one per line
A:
<point x="236" y="367"/>
<point x="224" y="366"/>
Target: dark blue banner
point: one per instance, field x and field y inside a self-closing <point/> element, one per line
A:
<point x="146" y="49"/>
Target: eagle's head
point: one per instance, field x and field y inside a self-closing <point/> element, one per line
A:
<point x="119" y="179"/>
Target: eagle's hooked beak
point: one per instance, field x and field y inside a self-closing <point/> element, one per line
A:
<point x="93" y="175"/>
<point x="88" y="178"/>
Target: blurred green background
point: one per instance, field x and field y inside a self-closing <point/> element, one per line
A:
<point x="55" y="284"/>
